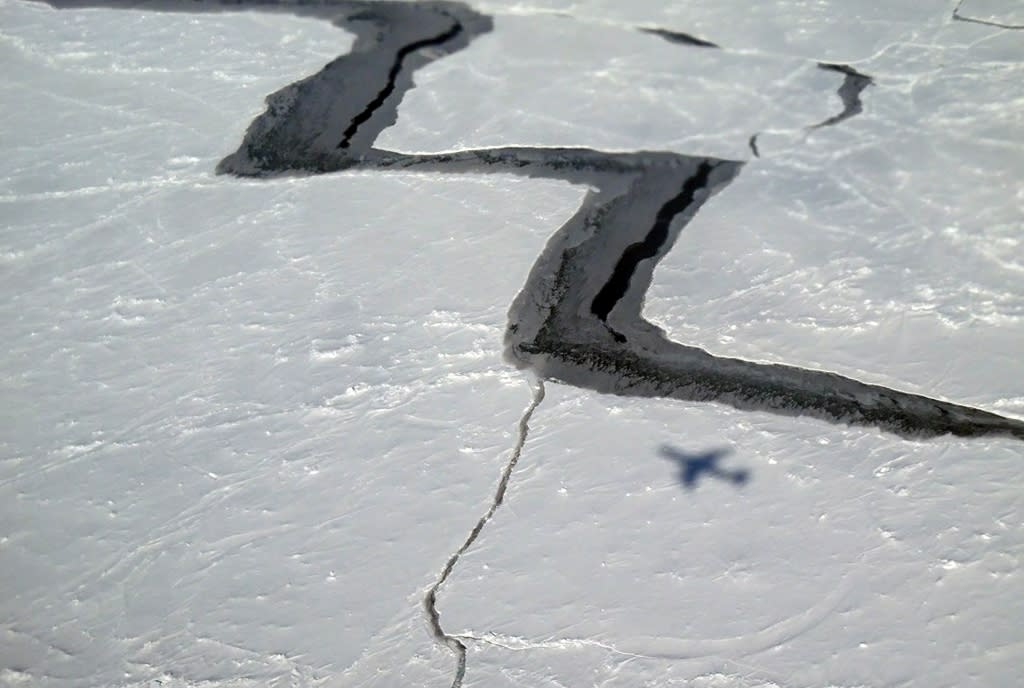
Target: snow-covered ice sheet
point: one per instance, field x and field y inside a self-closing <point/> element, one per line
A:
<point x="245" y="422"/>
<point x="1003" y="14"/>
<point x="615" y="89"/>
<point x="887" y="248"/>
<point x="846" y="559"/>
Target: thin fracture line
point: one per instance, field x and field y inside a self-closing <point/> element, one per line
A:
<point x="959" y="17"/>
<point x="430" y="600"/>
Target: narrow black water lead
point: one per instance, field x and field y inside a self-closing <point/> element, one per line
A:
<point x="679" y="37"/>
<point x="618" y="283"/>
<point x="393" y="73"/>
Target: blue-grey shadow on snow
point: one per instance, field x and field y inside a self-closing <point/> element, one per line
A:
<point x="693" y="466"/>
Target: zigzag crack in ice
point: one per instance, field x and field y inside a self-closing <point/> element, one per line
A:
<point x="551" y="328"/>
<point x="430" y="599"/>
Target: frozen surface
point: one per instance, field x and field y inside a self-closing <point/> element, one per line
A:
<point x="696" y="101"/>
<point x="245" y="422"/>
<point x="997" y="13"/>
<point x="847" y="559"/>
<point x="885" y="247"/>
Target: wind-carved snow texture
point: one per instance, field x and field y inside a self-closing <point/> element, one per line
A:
<point x="578" y="317"/>
<point x="430" y="600"/>
<point x="849" y="92"/>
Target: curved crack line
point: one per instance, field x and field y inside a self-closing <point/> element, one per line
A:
<point x="393" y="73"/>
<point x="849" y="92"/>
<point x="453" y="642"/>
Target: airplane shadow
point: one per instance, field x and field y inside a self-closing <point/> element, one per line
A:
<point x="694" y="465"/>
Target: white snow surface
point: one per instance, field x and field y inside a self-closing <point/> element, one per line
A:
<point x="244" y="423"/>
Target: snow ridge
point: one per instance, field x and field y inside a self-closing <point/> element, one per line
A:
<point x="430" y="599"/>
